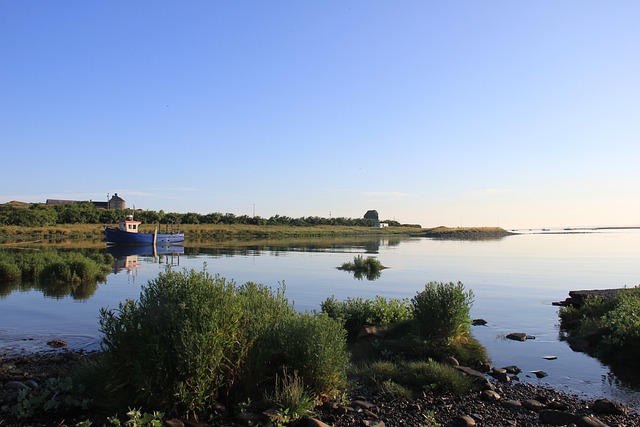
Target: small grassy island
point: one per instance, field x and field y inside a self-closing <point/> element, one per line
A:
<point x="369" y="267"/>
<point x="466" y="232"/>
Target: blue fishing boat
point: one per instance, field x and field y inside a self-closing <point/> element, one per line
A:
<point x="126" y="233"/>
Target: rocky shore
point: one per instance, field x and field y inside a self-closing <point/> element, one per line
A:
<point x="503" y="401"/>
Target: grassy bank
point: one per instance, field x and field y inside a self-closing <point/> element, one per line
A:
<point x="205" y="231"/>
<point x="213" y="232"/>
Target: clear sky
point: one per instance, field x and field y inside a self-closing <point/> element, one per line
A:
<point x="472" y="113"/>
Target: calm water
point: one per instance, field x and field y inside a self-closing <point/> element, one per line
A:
<point x="514" y="279"/>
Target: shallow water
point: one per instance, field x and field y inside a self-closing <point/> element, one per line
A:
<point x="514" y="279"/>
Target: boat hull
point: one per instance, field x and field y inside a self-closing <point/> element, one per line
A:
<point x="117" y="237"/>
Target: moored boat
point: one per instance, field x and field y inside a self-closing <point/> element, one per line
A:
<point x="126" y="233"/>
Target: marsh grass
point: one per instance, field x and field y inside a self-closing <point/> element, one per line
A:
<point x="369" y="267"/>
<point x="53" y="268"/>
<point x="405" y="379"/>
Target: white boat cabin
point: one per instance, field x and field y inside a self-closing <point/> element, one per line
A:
<point x="128" y="224"/>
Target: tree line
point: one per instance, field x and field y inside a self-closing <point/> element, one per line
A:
<point x="42" y="215"/>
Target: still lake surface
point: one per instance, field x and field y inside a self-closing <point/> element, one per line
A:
<point x="515" y="279"/>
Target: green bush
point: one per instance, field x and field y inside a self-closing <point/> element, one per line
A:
<point x="315" y="346"/>
<point x="193" y="338"/>
<point x="179" y="346"/>
<point x="355" y="312"/>
<point x="623" y="322"/>
<point x="442" y="311"/>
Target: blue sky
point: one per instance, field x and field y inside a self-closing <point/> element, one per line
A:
<point x="518" y="114"/>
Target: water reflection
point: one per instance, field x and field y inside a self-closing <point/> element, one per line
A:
<point x="127" y="257"/>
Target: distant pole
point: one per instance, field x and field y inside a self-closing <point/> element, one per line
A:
<point x="254" y="210"/>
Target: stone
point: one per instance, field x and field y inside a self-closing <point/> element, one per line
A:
<point x="463" y="421"/>
<point x="173" y="422"/>
<point x="373" y="423"/>
<point x="533" y="405"/>
<point x="57" y="343"/>
<point x="31" y="384"/>
<point x="363" y="404"/>
<point x="557" y="418"/>
<point x="539" y="374"/>
<point x="590" y="422"/>
<point x="310" y="422"/>
<point x="16" y="385"/>
<point x="607" y="407"/>
<point x="550" y="357"/>
<point x="451" y="361"/>
<point x="469" y="371"/>
<point x="194" y="423"/>
<point x="512" y="369"/>
<point x="512" y="404"/>
<point x="518" y="336"/>
<point x="479" y="322"/>
<point x="489" y="395"/>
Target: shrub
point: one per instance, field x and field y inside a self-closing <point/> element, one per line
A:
<point x="442" y="311"/>
<point x="355" y="312"/>
<point x="179" y="346"/>
<point x="193" y="338"/>
<point x="623" y="322"/>
<point x="315" y="346"/>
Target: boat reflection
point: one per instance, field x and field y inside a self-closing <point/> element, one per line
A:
<point x="127" y="257"/>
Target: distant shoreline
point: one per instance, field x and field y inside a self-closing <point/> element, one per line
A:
<point x="247" y="231"/>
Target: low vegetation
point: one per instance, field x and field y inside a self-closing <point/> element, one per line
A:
<point x="480" y="233"/>
<point x="369" y="267"/>
<point x="193" y="340"/>
<point x="399" y="350"/>
<point x="608" y="328"/>
<point x="56" y="273"/>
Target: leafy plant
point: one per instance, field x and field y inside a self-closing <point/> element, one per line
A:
<point x="56" y="395"/>
<point x="139" y="419"/>
<point x="355" y="312"/>
<point x="291" y="398"/>
<point x="442" y="311"/>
